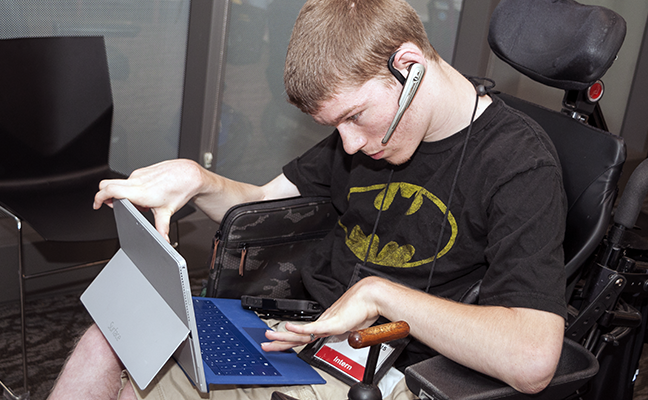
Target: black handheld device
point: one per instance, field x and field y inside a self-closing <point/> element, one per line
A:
<point x="291" y="309"/>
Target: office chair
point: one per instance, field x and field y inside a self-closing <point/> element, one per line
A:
<point x="56" y="112"/>
<point x="55" y="119"/>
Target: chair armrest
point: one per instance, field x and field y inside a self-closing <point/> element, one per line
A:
<point x="440" y="378"/>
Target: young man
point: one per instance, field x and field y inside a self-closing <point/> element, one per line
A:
<point x="466" y="189"/>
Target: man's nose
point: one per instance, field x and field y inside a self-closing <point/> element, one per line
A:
<point x="352" y="140"/>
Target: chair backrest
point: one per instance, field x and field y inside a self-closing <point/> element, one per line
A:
<point x="567" y="45"/>
<point x="540" y="39"/>
<point x="591" y="160"/>
<point x="55" y="106"/>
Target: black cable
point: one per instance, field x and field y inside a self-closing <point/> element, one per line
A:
<point x="454" y="183"/>
<point x="373" y="233"/>
<point x="482" y="85"/>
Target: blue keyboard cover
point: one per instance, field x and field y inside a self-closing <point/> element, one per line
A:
<point x="224" y="348"/>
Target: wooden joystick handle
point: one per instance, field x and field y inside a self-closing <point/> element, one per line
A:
<point x="378" y="334"/>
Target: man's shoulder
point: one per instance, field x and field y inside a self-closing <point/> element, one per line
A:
<point x="512" y="132"/>
<point x="510" y="144"/>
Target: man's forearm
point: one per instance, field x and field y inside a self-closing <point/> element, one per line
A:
<point x="218" y="194"/>
<point x="516" y="345"/>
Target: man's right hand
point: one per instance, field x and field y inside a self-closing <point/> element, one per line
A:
<point x="167" y="186"/>
<point x="163" y="188"/>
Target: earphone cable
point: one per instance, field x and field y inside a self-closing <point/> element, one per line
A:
<point x="452" y="189"/>
<point x="375" y="227"/>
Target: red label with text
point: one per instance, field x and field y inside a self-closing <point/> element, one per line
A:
<point x="341" y="362"/>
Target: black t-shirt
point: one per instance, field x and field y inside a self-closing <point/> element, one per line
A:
<point x="505" y="223"/>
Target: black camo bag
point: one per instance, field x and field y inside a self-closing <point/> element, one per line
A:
<point x="260" y="247"/>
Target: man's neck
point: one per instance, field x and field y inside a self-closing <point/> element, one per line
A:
<point x="452" y="101"/>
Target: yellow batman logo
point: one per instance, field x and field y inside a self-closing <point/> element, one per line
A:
<point x="392" y="254"/>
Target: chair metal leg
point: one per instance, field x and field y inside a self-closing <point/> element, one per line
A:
<point x="8" y="394"/>
<point x="21" y="282"/>
<point x="21" y="286"/>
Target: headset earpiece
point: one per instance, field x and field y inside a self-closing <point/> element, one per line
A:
<point x="394" y="71"/>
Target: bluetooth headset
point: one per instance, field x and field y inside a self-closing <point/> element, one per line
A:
<point x="410" y="86"/>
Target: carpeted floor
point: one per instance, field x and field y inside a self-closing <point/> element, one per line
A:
<point x="54" y="323"/>
<point x="52" y="326"/>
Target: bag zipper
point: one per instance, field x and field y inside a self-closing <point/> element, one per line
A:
<point x="244" y="246"/>
<point x="242" y="263"/>
<point x="211" y="277"/>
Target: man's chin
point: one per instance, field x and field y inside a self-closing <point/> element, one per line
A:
<point x="397" y="160"/>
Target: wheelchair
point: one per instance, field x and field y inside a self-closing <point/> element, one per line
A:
<point x="570" y="46"/>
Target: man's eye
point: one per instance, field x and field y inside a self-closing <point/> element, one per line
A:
<point x="354" y="117"/>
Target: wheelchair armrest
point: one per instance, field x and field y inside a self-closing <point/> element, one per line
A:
<point x="440" y="378"/>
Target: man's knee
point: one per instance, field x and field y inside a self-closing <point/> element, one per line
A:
<point x="92" y="370"/>
<point x="93" y="342"/>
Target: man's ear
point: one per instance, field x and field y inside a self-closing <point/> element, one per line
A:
<point x="406" y="55"/>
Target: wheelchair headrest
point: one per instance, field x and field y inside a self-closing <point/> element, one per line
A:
<point x="559" y="43"/>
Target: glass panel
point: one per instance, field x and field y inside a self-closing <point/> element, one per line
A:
<point x="146" y="47"/>
<point x="441" y="21"/>
<point x="259" y="130"/>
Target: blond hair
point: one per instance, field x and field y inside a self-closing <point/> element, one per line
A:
<point x="344" y="43"/>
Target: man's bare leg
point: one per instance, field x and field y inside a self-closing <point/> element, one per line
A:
<point x="93" y="371"/>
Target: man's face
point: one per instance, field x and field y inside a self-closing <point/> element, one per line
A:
<point x="362" y="116"/>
